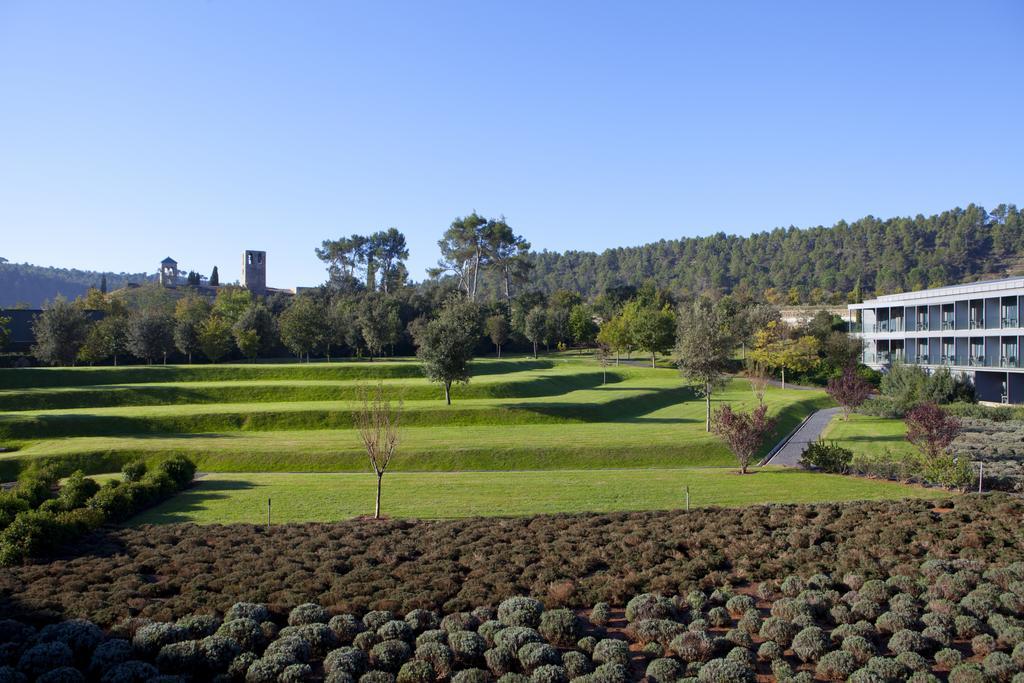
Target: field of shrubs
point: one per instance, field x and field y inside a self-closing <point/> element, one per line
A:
<point x="872" y="590"/>
<point x="959" y="619"/>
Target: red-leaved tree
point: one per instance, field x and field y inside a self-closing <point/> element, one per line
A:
<point x="931" y="429"/>
<point x="849" y="390"/>
<point x="742" y="432"/>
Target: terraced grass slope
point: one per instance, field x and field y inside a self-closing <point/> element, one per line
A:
<point x="515" y="414"/>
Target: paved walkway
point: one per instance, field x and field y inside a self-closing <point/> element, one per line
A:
<point x="809" y="431"/>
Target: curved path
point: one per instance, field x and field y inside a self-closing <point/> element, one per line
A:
<point x="808" y="432"/>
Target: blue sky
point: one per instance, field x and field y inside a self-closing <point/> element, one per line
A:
<point x="130" y="131"/>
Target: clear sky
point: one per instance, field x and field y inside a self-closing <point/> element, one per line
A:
<point x="130" y="131"/>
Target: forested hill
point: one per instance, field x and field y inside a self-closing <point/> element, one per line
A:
<point x="822" y="263"/>
<point x="25" y="284"/>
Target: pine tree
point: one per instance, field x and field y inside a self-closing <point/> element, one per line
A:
<point x="103" y="284"/>
<point x="214" y="278"/>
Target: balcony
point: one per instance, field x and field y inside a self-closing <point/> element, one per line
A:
<point x="1009" y="321"/>
<point x="888" y="326"/>
<point x="1009" y="361"/>
<point x="976" y="324"/>
<point x="948" y="324"/>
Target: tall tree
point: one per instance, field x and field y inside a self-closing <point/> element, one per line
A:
<point x="535" y="327"/>
<point x="248" y="341"/>
<point x="150" y="335"/>
<point x="214" y="280"/>
<point x="651" y="328"/>
<point x="447" y="344"/>
<point x="257" y="318"/>
<point x="508" y="253"/>
<point x="388" y="251"/>
<point x="344" y="257"/>
<point x="615" y="336"/>
<point x="582" y="326"/>
<point x="5" y="332"/>
<point x="214" y="337"/>
<point x="704" y="346"/>
<point x="103" y="284"/>
<point x="189" y="314"/>
<point x="232" y="302"/>
<point x="379" y="428"/>
<point x="497" y="330"/>
<point x="773" y="348"/>
<point x="59" y="331"/>
<point x="379" y="322"/>
<point x="464" y="252"/>
<point x="301" y="326"/>
<point x="107" y="338"/>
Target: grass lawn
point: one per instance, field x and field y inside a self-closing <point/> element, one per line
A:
<point x="227" y="498"/>
<point x="867" y="435"/>
<point x="551" y="414"/>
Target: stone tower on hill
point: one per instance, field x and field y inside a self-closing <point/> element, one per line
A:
<point x="254" y="271"/>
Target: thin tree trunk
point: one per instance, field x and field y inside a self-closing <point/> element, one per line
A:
<point x="707" y="413"/>
<point x="653" y="358"/>
<point x="783" y="377"/>
<point x="448" y="393"/>
<point x="376" y="509"/>
<point x="534" y="349"/>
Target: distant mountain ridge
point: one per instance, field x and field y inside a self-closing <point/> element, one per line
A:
<point x="24" y="284"/>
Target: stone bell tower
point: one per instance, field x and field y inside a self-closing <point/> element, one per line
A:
<point x="169" y="272"/>
<point x="254" y="271"/>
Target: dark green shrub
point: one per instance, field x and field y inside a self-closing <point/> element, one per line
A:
<point x="439" y="656"/>
<point x="377" y="677"/>
<point x="887" y="669"/>
<point x="248" y="610"/>
<point x="906" y="640"/>
<point x="501" y="660"/>
<point x="366" y="640"/>
<point x="395" y="630"/>
<point x="660" y="631"/>
<point x="150" y="638"/>
<point x="611" y="672"/>
<point x="1000" y="666"/>
<point x="350" y="660"/>
<point x="560" y="627"/>
<point x="488" y="630"/>
<point x="468" y="647"/>
<point x="827" y="457"/>
<point x="78" y="634"/>
<point x="460" y="621"/>
<point x="514" y="678"/>
<point x="860" y="647"/>
<point x="345" y="627"/>
<point x="739" y="605"/>
<point x="134" y="471"/>
<point x="307" y="613"/>
<point x="516" y="636"/>
<point x="600" y="615"/>
<point x="64" y="674"/>
<point x="109" y="653"/>
<point x="416" y="671"/>
<point x="610" y="650"/>
<point x="948" y="658"/>
<point x="586" y="644"/>
<point x="180" y="469"/>
<point x="520" y="611"/>
<point x="319" y="636"/>
<point x="432" y="636"/>
<point x="779" y="630"/>
<point x="533" y="655"/>
<point x="549" y="673"/>
<point x="245" y="632"/>
<point x="44" y="657"/>
<point x="693" y="646"/>
<point x="836" y="666"/>
<point x="810" y="644"/>
<point x="132" y="672"/>
<point x="472" y="676"/>
<point x="913" y="661"/>
<point x="199" y="625"/>
<point x="650" y="606"/>
<point x="576" y="663"/>
<point x="422" y="620"/>
<point x="374" y="619"/>
<point x="389" y="655"/>
<point x="769" y="651"/>
<point x="725" y="671"/>
<point x="295" y="673"/>
<point x="664" y="670"/>
<point x="718" y="617"/>
<point x="983" y="644"/>
<point x="184" y="657"/>
<point x="968" y="672"/>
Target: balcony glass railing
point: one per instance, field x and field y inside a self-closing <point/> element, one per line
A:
<point x="976" y="324"/>
<point x="1010" y="361"/>
<point x="948" y="324"/>
<point x="1009" y="321"/>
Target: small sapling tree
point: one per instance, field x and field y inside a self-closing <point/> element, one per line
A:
<point x="932" y="430"/>
<point x="704" y="345"/>
<point x="742" y="432"/>
<point x="849" y="390"/>
<point x="447" y="342"/>
<point x="497" y="330"/>
<point x="378" y="425"/>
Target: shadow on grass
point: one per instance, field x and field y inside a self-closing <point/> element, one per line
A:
<point x="176" y="509"/>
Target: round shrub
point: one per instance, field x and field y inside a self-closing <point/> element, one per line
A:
<point x="769" y="651"/>
<point x="350" y="660"/>
<point x="460" y="621"/>
<point x="243" y="631"/>
<point x="660" y="631"/>
<point x="968" y="672"/>
<point x="319" y="636"/>
<point x="247" y="610"/>
<point x="576" y="663"/>
<point x="501" y="660"/>
<point x="718" y="617"/>
<point x="395" y="630"/>
<point x="866" y="609"/>
<point x="693" y="646"/>
<point x="389" y="655"/>
<point x="725" y="671"/>
<point x="650" y="606"/>
<point x="366" y="640"/>
<point x="308" y="613"/>
<point x="810" y="644"/>
<point x="739" y="638"/>
<point x="346" y="627"/>
<point x="983" y="644"/>
<point x="64" y="674"/>
<point x="906" y="640"/>
<point x="886" y="668"/>
<point x="609" y="651"/>
<point x="1018" y="655"/>
<point x="374" y="619"/>
<point x="937" y="636"/>
<point x="514" y="678"/>
<point x="779" y="630"/>
<point x="750" y="622"/>
<point x="533" y="655"/>
<point x="468" y="647"/>
<point x="520" y="611"/>
<point x="600" y="614"/>
<point x="791" y="586"/>
<point x="422" y="620"/>
<point x="377" y="676"/>
<point x="472" y="676"/>
<point x="586" y="644"/>
<point x="891" y="622"/>
<point x="549" y="673"/>
<point x="44" y="657"/>
<point x="485" y="613"/>
<point x="80" y="635"/>
<point x="240" y="664"/>
<point x="488" y="629"/>
<point x="560" y="627"/>
<point x="836" y="666"/>
<point x="131" y="672"/>
<point x="948" y="658"/>
<point x="875" y="591"/>
<point x="664" y="670"/>
<point x="109" y="653"/>
<point x="611" y="672"/>
<point x="742" y="654"/>
<point x="1000" y="666"/>
<point x="967" y="627"/>
<point x="439" y="656"/>
<point x="184" y="657"/>
<point x="740" y="604"/>
<point x="150" y="638"/>
<point x="860" y="648"/>
<point x="10" y="675"/>
<point x="913" y="661"/>
<point x="432" y="636"/>
<point x="199" y="625"/>
<point x="515" y="637"/>
<point x="416" y="671"/>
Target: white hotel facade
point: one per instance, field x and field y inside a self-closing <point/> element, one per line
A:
<point x="973" y="329"/>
